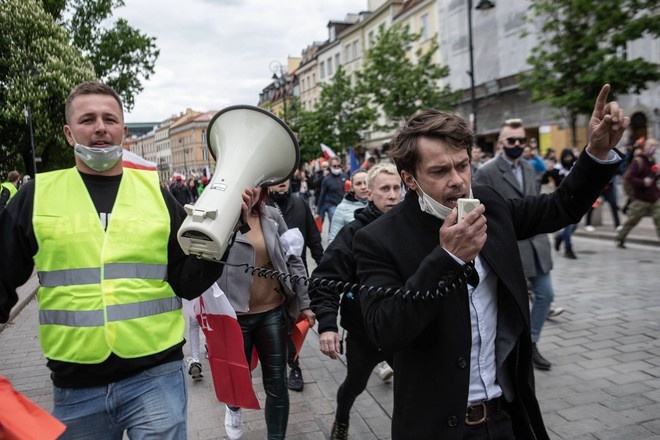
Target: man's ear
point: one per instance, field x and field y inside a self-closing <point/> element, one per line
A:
<point x="408" y="180"/>
<point x="69" y="136"/>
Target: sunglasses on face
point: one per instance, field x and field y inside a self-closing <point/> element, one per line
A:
<point x="513" y="140"/>
<point x="336" y="166"/>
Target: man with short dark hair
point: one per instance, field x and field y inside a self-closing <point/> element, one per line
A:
<point x="331" y="190"/>
<point x="449" y="298"/>
<point x="103" y="239"/>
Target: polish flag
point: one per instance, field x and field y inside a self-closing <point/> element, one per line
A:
<point x="327" y="151"/>
<point x="132" y="160"/>
<point x="232" y="380"/>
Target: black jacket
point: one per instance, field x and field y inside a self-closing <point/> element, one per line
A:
<point x="298" y="214"/>
<point x="431" y="339"/>
<point x="338" y="264"/>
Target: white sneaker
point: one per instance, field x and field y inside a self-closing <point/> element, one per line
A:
<point x="589" y="228"/>
<point x="555" y="311"/>
<point x="384" y="371"/>
<point x="195" y="368"/>
<point x="618" y="228"/>
<point x="233" y="423"/>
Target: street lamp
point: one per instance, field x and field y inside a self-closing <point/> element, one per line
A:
<point x="282" y="81"/>
<point x="27" y="112"/>
<point x="483" y="5"/>
<point x="185" y="163"/>
<point x="28" y="118"/>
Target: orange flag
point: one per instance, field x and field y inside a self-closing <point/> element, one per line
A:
<point x="22" y="419"/>
<point x="299" y="333"/>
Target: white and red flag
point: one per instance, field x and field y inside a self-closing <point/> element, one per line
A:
<point x="232" y="380"/>
<point x="327" y="151"/>
<point x="132" y="160"/>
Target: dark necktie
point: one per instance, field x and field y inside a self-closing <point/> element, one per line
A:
<point x="473" y="276"/>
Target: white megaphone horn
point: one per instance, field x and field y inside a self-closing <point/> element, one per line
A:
<point x="251" y="147"/>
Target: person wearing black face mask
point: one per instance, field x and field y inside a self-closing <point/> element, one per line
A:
<point x="513" y="177"/>
<point x="297" y="214"/>
<point x="557" y="175"/>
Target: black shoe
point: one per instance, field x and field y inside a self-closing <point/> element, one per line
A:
<point x="539" y="361"/>
<point x="570" y="255"/>
<point x="296" y="382"/>
<point x="620" y="244"/>
<point x="558" y="240"/>
<point x="339" y="431"/>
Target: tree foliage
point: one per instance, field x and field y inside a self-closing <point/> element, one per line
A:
<point x="37" y="67"/>
<point x="338" y="119"/>
<point x="122" y="56"/>
<point x="400" y="83"/>
<point x="582" y="46"/>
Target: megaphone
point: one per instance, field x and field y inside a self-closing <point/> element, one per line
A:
<point x="251" y="147"/>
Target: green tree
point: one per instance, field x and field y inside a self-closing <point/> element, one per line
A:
<point x="38" y="68"/>
<point x="582" y="45"/>
<point x="340" y="116"/>
<point x="122" y="56"/>
<point x="398" y="85"/>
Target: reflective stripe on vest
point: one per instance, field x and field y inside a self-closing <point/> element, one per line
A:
<point x="102" y="291"/>
<point x="115" y="313"/>
<point x="93" y="276"/>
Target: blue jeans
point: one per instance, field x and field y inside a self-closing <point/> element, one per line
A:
<point x="149" y="405"/>
<point x="329" y="208"/>
<point x="267" y="331"/>
<point x="544" y="294"/>
<point x="565" y="236"/>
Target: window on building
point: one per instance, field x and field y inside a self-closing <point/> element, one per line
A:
<point x="337" y="60"/>
<point x="347" y="53"/>
<point x="371" y="39"/>
<point x="356" y="49"/>
<point x="322" y="70"/>
<point x="329" y="66"/>
<point x="424" y="26"/>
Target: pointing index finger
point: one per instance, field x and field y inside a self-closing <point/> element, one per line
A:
<point x="601" y="101"/>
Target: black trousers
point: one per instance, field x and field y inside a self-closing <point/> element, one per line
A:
<point x="361" y="358"/>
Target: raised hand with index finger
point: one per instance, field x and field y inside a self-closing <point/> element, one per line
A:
<point x="606" y="126"/>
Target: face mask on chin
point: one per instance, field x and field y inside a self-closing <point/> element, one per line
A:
<point x="431" y="206"/>
<point x="98" y="159"/>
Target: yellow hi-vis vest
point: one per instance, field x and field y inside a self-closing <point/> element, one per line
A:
<point x="102" y="291"/>
<point x="11" y="188"/>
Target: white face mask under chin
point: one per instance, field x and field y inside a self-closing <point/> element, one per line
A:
<point x="98" y="159"/>
<point x="431" y="206"/>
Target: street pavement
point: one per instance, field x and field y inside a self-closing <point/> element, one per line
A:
<point x="605" y="351"/>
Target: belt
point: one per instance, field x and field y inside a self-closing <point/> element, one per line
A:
<point x="477" y="413"/>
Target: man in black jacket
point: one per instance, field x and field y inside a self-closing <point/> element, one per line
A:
<point x="297" y="214"/>
<point x="454" y="307"/>
<point x="384" y="185"/>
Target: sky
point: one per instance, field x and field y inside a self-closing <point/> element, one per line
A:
<point x="215" y="53"/>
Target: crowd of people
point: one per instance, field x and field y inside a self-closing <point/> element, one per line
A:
<point x="454" y="324"/>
